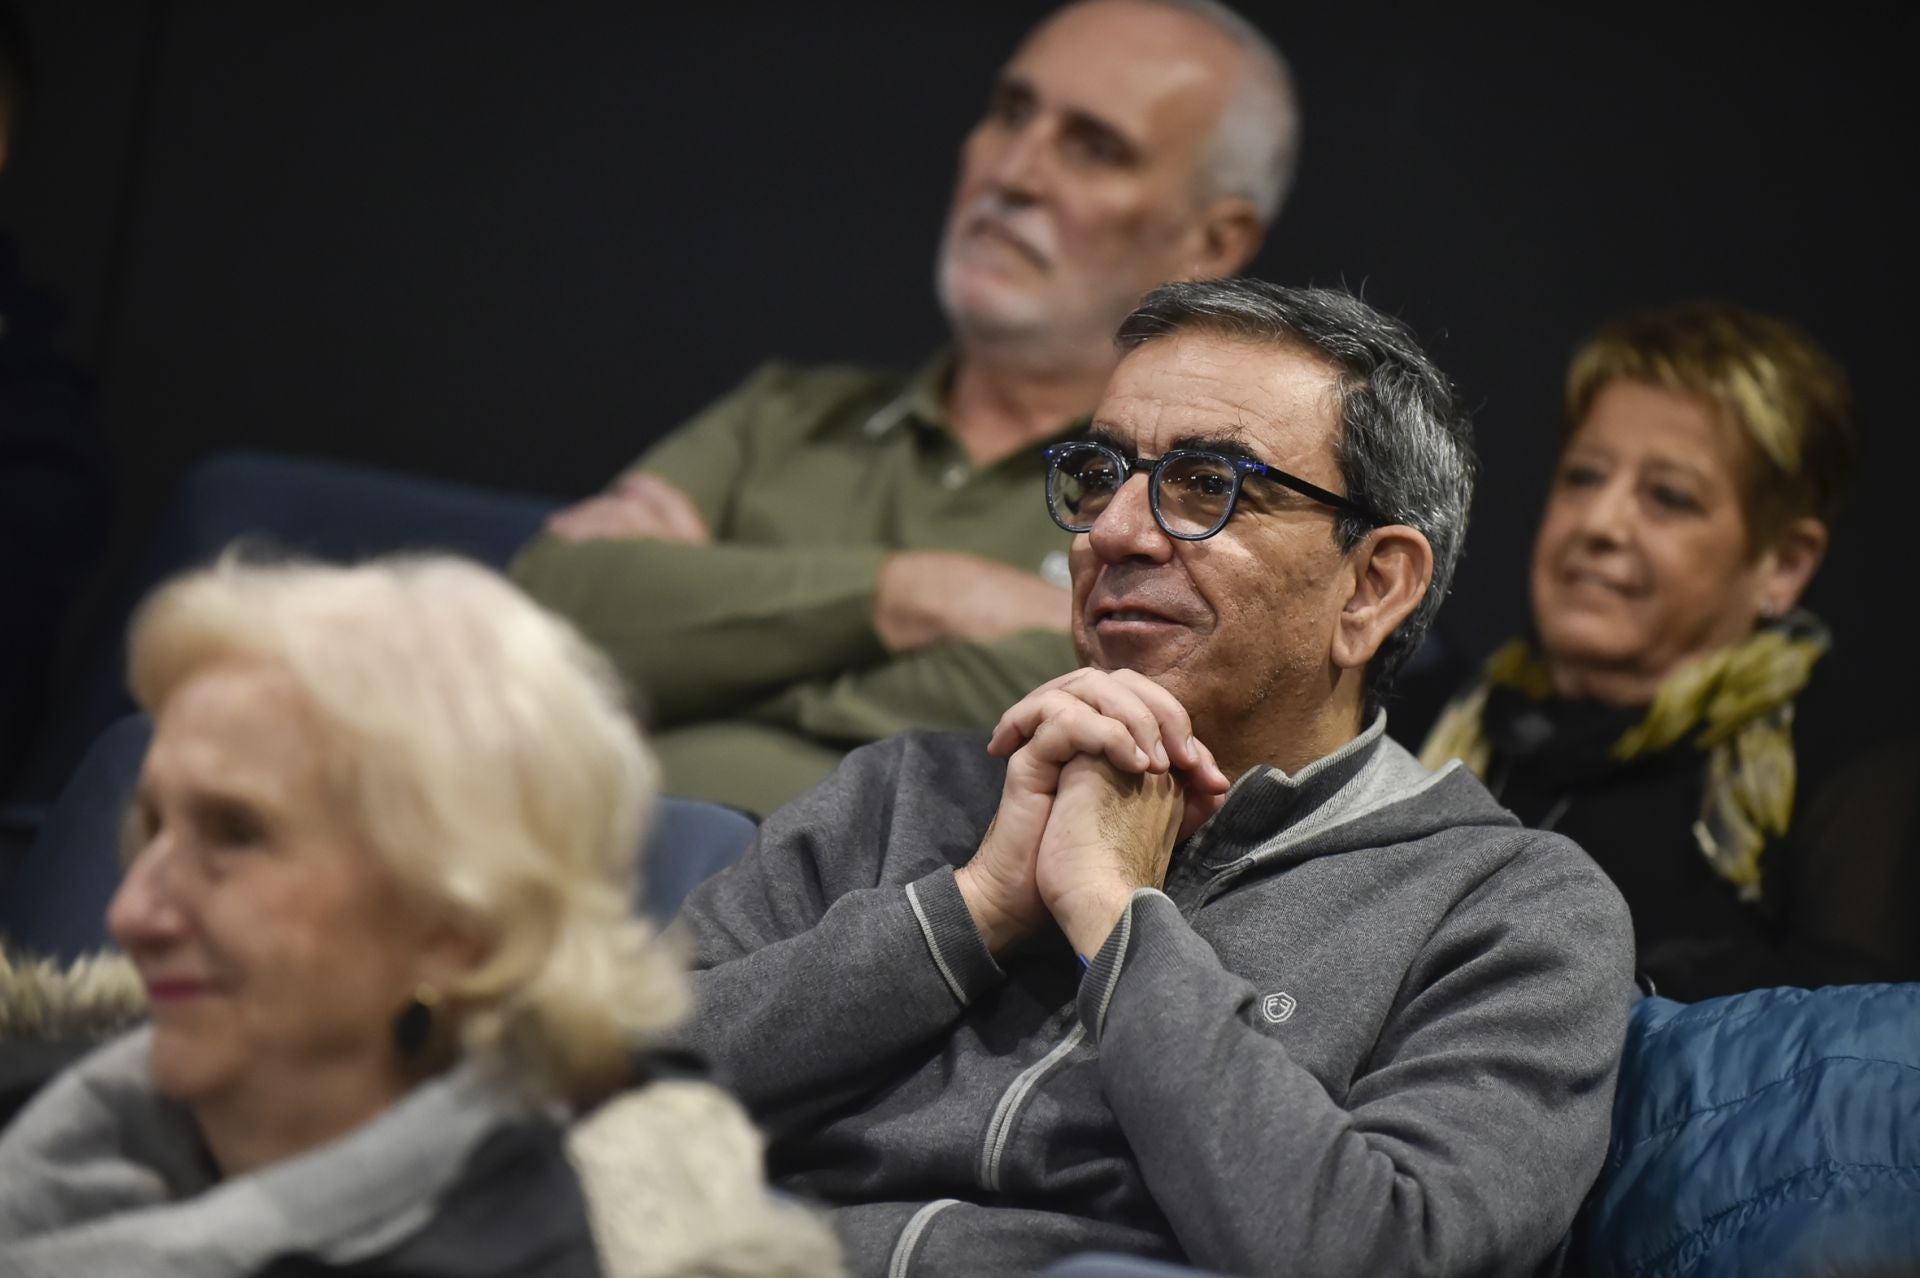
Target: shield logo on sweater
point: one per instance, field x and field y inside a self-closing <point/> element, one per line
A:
<point x="1277" y="1007"/>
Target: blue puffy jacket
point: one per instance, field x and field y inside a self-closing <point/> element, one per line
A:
<point x="1776" y="1132"/>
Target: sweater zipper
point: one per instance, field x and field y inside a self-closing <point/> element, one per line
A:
<point x="1004" y="1113"/>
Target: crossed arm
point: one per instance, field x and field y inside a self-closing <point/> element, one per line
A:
<point x="850" y="635"/>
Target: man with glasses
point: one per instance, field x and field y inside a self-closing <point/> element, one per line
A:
<point x="1192" y="491"/>
<point x="829" y="555"/>
<point x="1188" y="959"/>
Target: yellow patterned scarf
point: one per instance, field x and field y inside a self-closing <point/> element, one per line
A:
<point x="1737" y="705"/>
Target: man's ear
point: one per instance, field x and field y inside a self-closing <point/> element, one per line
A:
<point x="1789" y="564"/>
<point x="1392" y="568"/>
<point x="1225" y="239"/>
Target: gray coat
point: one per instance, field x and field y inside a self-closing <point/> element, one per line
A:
<point x="463" y="1177"/>
<point x="1370" y="1027"/>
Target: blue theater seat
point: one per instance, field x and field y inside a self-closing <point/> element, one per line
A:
<point x="54" y="905"/>
<point x="325" y="509"/>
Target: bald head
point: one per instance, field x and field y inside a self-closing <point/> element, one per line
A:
<point x="1256" y="138"/>
<point x="1126" y="143"/>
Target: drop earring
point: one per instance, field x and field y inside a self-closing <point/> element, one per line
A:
<point x="413" y="1027"/>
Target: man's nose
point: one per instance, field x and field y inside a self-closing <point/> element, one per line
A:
<point x="145" y="911"/>
<point x="1023" y="165"/>
<point x="1126" y="529"/>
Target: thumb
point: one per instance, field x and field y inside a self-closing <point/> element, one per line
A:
<point x="1199" y="807"/>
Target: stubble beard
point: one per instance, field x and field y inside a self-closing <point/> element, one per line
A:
<point x="1024" y="332"/>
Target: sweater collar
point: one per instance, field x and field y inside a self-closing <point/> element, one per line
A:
<point x="1266" y="800"/>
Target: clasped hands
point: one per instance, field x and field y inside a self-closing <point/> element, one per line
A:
<point x="1104" y="778"/>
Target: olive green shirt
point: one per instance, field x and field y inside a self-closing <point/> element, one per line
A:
<point x="756" y="654"/>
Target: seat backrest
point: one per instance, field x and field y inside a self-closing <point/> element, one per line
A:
<point x="55" y="903"/>
<point x="691" y="841"/>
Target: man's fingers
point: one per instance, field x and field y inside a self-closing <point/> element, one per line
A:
<point x="1122" y="701"/>
<point x="1158" y="721"/>
<point x="580" y="522"/>
<point x="1151" y="716"/>
<point x="682" y="515"/>
<point x="1199" y="807"/>
<point x="683" y="520"/>
<point x="610" y="515"/>
<point x="1208" y="775"/>
<point x="638" y="485"/>
<point x="1083" y="732"/>
<point x="1017" y="724"/>
<point x="1036" y="710"/>
<point x="594" y="526"/>
<point x="1025" y="716"/>
<point x="1005" y="739"/>
<point x="668" y="512"/>
<point x="1176" y="726"/>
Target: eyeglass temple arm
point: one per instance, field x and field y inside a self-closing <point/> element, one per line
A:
<point x="1315" y="491"/>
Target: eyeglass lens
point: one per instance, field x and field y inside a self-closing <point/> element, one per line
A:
<point x="1194" y="490"/>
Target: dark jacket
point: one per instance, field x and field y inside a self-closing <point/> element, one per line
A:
<point x="1695" y="938"/>
<point x="1776" y="1132"/>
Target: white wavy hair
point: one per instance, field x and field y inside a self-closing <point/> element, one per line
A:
<point x="486" y="751"/>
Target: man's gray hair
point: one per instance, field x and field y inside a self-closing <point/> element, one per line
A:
<point x="1406" y="446"/>
<point x="1257" y="142"/>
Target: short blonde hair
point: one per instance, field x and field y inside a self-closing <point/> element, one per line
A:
<point x="486" y="751"/>
<point x="1786" y="396"/>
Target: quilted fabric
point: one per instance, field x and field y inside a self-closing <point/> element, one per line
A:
<point x="1776" y="1132"/>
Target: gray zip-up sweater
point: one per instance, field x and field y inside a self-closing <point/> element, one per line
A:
<point x="1370" y="1027"/>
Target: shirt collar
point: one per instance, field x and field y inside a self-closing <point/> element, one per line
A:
<point x="924" y="400"/>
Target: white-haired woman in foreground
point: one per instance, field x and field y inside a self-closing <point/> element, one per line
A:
<point x="378" y="887"/>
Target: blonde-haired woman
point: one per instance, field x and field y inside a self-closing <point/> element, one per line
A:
<point x="377" y="892"/>
<point x="1649" y="716"/>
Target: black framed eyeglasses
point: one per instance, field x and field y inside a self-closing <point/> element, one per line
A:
<point x="1192" y="492"/>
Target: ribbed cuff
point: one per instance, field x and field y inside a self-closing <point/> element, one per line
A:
<point x="955" y="943"/>
<point x="1103" y="973"/>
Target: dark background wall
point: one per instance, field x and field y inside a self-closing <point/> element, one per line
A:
<point x="511" y="243"/>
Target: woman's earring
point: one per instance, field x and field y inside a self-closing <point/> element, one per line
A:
<point x="413" y="1028"/>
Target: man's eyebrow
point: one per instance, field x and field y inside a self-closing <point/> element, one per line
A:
<point x="1225" y="445"/>
<point x="1010" y="86"/>
<point x="1230" y="445"/>
<point x="1093" y="127"/>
